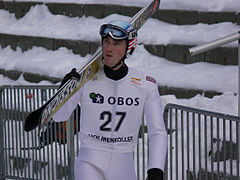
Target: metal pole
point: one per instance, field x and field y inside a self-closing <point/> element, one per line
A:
<point x="2" y="162"/>
<point x="239" y="76"/>
<point x="70" y="147"/>
<point x="216" y="43"/>
<point x="238" y="97"/>
<point x="213" y="44"/>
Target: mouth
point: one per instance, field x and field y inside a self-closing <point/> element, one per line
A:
<point x="109" y="55"/>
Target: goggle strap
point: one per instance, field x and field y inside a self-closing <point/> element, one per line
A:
<point x="132" y="44"/>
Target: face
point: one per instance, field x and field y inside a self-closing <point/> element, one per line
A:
<point x="113" y="50"/>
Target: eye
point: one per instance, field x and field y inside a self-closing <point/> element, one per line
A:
<point x="105" y="40"/>
<point x="117" y="43"/>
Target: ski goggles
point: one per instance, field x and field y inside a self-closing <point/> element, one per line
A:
<point x="115" y="32"/>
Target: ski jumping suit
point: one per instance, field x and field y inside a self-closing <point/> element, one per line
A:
<point x="111" y="114"/>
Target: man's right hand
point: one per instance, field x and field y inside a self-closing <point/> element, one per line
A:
<point x="71" y="75"/>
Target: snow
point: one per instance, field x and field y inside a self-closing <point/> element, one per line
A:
<point x="40" y="22"/>
<point x="203" y="5"/>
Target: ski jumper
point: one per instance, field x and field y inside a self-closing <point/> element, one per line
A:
<point x="111" y="114"/>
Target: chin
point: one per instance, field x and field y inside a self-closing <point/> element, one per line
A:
<point x="108" y="65"/>
<point x="106" y="62"/>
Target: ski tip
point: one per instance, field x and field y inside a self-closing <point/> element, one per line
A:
<point x="32" y="121"/>
<point x="30" y="125"/>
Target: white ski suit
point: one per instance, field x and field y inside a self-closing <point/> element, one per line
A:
<point x="111" y="114"/>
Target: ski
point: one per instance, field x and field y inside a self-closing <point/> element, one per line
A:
<point x="43" y="115"/>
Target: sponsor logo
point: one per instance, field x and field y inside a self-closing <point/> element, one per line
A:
<point x="112" y="139"/>
<point x="151" y="79"/>
<point x="99" y="99"/>
<point x="96" y="98"/>
<point x="136" y="81"/>
<point x="121" y="101"/>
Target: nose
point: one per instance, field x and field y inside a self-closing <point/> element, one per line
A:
<point x="109" y="47"/>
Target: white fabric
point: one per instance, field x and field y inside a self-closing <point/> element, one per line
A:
<point x="111" y="114"/>
<point x="102" y="165"/>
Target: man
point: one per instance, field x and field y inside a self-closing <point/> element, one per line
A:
<point x="112" y="104"/>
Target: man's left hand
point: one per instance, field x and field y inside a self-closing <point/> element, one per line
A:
<point x="155" y="174"/>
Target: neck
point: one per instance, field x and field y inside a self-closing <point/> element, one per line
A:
<point x="117" y="74"/>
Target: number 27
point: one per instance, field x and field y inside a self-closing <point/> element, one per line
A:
<point x="107" y="115"/>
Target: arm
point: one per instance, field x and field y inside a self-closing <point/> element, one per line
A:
<point x="66" y="110"/>
<point x="156" y="132"/>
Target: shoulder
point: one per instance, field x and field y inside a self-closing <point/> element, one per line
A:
<point x="98" y="76"/>
<point x="143" y="80"/>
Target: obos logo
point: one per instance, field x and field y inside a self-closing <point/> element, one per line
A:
<point x="97" y="98"/>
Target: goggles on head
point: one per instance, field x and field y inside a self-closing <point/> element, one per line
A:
<point x="115" y="32"/>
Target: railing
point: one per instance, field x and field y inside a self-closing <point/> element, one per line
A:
<point x="202" y="144"/>
<point x="48" y="156"/>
